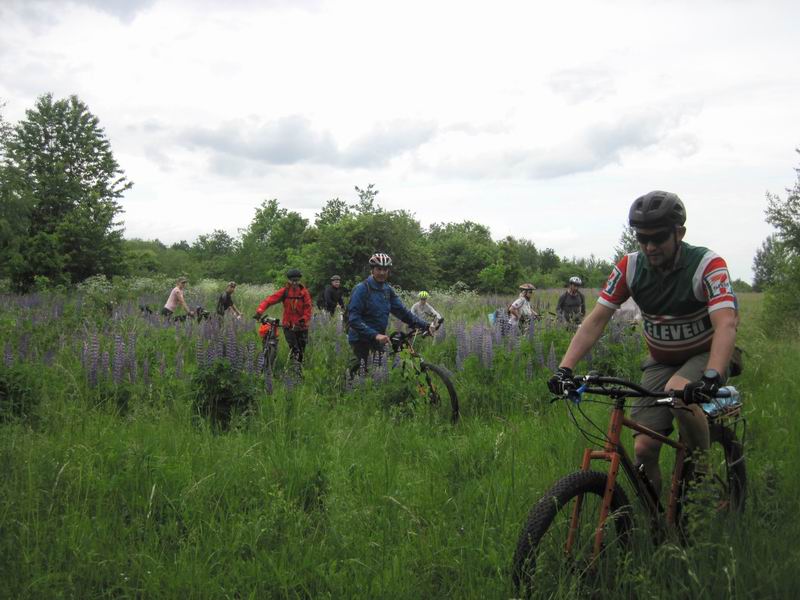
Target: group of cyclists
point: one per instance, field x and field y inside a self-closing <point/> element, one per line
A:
<point x="688" y="307"/>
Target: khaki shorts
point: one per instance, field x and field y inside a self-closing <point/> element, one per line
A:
<point x="654" y="377"/>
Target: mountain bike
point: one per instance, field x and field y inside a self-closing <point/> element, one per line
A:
<point x="431" y="383"/>
<point x="269" y="341"/>
<point x="584" y="522"/>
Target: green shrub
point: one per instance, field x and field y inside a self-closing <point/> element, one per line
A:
<point x="220" y="392"/>
<point x="781" y="314"/>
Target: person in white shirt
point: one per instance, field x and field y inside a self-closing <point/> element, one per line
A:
<point x="423" y="310"/>
<point x="520" y="311"/>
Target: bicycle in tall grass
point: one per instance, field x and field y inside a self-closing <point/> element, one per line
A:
<point x="431" y="386"/>
<point x="269" y="342"/>
<point x="583" y="524"/>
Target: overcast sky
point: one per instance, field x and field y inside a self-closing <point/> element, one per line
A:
<point x="542" y="120"/>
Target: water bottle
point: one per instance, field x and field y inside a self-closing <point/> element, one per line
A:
<point x="727" y="396"/>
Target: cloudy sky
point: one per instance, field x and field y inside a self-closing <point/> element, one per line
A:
<point x="539" y="119"/>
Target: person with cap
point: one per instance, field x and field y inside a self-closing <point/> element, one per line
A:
<point x="571" y="306"/>
<point x="424" y="311"/>
<point x="297" y="308"/>
<point x="520" y="311"/>
<point x="176" y="299"/>
<point x="370" y="304"/>
<point x="225" y="301"/>
<point x="333" y="296"/>
<point x="689" y="313"/>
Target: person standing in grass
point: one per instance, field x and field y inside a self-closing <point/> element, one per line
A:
<point x="370" y="304"/>
<point x="423" y="310"/>
<point x="520" y="311"/>
<point x="333" y="296"/>
<point x="296" y="313"/>
<point x="571" y="306"/>
<point x="176" y="299"/>
<point x="225" y="301"/>
<point x="689" y="315"/>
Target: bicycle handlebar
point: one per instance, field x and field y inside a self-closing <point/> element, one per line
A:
<point x="588" y="385"/>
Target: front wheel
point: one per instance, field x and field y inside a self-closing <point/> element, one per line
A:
<point x="437" y="387"/>
<point x="544" y="561"/>
<point x="726" y="458"/>
<point x="270" y="353"/>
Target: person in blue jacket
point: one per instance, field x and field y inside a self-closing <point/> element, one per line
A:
<point x="368" y="313"/>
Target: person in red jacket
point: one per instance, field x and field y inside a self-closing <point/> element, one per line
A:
<point x="296" y="312"/>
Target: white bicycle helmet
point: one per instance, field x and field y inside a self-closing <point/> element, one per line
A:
<point x="380" y="260"/>
<point x="576" y="280"/>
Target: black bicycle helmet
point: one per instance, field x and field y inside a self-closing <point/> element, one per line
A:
<point x="657" y="209"/>
<point x="293" y="274"/>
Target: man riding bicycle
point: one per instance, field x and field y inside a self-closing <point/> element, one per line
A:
<point x="368" y="313"/>
<point x="689" y="315"/>
<point x="296" y="313"/>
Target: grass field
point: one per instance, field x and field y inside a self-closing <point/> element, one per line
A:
<point x="111" y="489"/>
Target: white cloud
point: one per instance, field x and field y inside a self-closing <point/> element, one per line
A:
<point x="517" y="115"/>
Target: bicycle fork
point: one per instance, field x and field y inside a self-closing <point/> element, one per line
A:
<point x="615" y="454"/>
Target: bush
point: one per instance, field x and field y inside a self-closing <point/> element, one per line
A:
<point x="220" y="392"/>
<point x="19" y="393"/>
<point x="782" y="301"/>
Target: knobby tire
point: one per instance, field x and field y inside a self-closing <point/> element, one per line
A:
<point x="433" y="374"/>
<point x="555" y="507"/>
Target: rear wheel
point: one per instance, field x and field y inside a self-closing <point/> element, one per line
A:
<point x="541" y="561"/>
<point x="436" y="387"/>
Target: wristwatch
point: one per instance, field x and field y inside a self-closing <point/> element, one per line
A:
<point x="711" y="375"/>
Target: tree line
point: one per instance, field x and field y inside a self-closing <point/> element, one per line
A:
<point x="60" y="222"/>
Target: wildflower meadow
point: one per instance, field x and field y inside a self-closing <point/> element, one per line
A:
<point x="146" y="458"/>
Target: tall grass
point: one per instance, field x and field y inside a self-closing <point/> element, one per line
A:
<point x="327" y="492"/>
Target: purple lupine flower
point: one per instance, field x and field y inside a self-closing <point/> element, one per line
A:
<point x="200" y="353"/>
<point x="48" y="357"/>
<point x="339" y="327"/>
<point x="462" y="348"/>
<point x="146" y="371"/>
<point x="119" y="359"/>
<point x="23" y="346"/>
<point x="94" y="351"/>
<point x="178" y="364"/>
<point x="104" y="367"/>
<point x="537" y="346"/>
<point x="131" y="358"/>
<point x="8" y="355"/>
<point x="230" y="342"/>
<point x="552" y="362"/>
<point x="440" y="335"/>
<point x="487" y="351"/>
<point x="250" y="356"/>
<point x="532" y="330"/>
<point x="529" y="369"/>
<point x="219" y="346"/>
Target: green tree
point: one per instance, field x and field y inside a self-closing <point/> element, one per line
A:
<point x="461" y="251"/>
<point x="784" y="215"/>
<point x="63" y="182"/>
<point x="274" y="235"/>
<point x="627" y="243"/>
<point x="768" y="262"/>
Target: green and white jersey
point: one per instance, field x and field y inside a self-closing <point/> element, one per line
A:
<point x="675" y="305"/>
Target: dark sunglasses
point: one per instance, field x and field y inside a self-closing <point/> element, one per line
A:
<point x="294" y="280"/>
<point x="653" y="238"/>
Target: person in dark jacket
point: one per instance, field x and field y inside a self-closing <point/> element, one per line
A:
<point x="572" y="305"/>
<point x="296" y="312"/>
<point x="225" y="301"/>
<point x="370" y="304"/>
<point x="333" y="295"/>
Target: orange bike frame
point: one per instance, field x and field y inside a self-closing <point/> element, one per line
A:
<point x="614" y="452"/>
